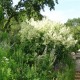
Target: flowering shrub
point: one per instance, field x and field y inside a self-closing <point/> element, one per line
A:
<point x="46" y="37"/>
<point x="42" y="45"/>
<point x="54" y="32"/>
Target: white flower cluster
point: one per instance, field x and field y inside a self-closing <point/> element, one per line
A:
<point x="5" y="59"/>
<point x="27" y="32"/>
<point x="55" y="32"/>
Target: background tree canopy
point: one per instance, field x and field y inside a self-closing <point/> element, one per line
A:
<point x="75" y="27"/>
<point x="73" y="22"/>
<point x="30" y="8"/>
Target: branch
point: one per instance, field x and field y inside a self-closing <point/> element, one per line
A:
<point x="7" y="23"/>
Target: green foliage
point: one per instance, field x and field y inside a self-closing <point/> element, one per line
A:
<point x="75" y="28"/>
<point x="24" y="8"/>
<point x="34" y="49"/>
<point x="5" y="71"/>
<point x="49" y="38"/>
<point x="76" y="33"/>
<point x="73" y="22"/>
<point x="68" y="74"/>
<point x="32" y="52"/>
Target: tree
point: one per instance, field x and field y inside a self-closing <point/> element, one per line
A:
<point x="30" y="8"/>
<point x="75" y="27"/>
<point x="73" y="22"/>
<point x="76" y="32"/>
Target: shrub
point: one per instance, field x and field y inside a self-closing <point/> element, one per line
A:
<point x="42" y="52"/>
<point x="47" y="37"/>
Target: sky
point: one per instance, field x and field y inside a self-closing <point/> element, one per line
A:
<point x="66" y="9"/>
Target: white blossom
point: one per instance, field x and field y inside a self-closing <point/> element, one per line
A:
<point x="55" y="32"/>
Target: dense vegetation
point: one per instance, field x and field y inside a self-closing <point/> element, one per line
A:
<point x="34" y="50"/>
<point x="38" y="50"/>
<point x="24" y="8"/>
<point x="74" y="24"/>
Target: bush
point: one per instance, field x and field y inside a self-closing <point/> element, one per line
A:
<point x="50" y="38"/>
<point x="41" y="52"/>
